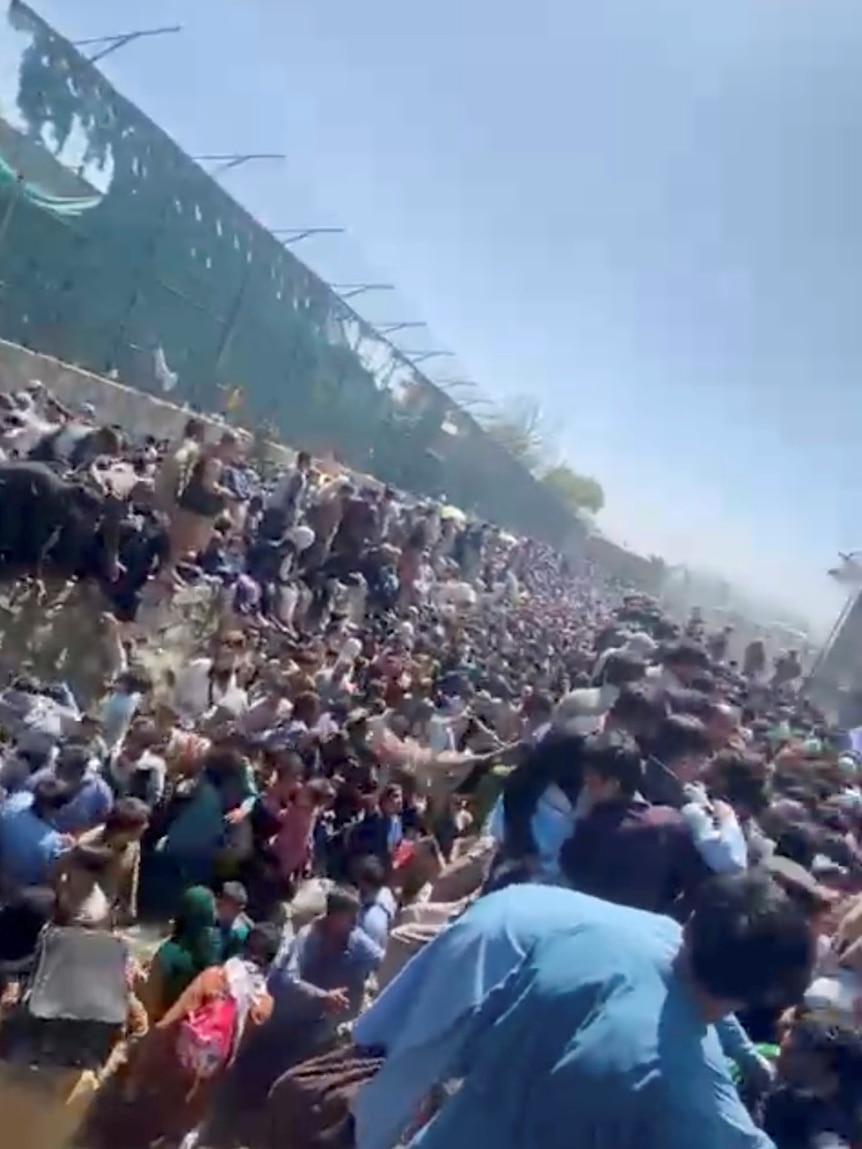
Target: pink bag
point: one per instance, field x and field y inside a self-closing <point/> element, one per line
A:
<point x="206" y="1036"/>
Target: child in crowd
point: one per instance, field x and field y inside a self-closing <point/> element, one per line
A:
<point x="234" y="925"/>
<point x="815" y="1098"/>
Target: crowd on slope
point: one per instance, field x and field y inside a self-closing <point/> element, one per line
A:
<point x="453" y="840"/>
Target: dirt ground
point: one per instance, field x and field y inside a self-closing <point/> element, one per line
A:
<point x="62" y="633"/>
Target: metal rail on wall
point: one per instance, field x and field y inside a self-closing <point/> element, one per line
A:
<point x="162" y="256"/>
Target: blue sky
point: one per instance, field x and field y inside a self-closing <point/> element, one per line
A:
<point x="647" y="214"/>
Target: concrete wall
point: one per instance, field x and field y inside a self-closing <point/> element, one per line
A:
<point x="132" y="410"/>
<point x="145" y="414"/>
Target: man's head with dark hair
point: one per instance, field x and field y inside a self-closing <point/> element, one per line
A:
<point x="740" y="778"/>
<point x="747" y="945"/>
<point x="638" y="711"/>
<point x="821" y="1054"/>
<point x="342" y="900"/>
<point x="722" y="724"/>
<point x="559" y="756"/>
<point x="228" y="448"/>
<point x="306" y="707"/>
<point x="703" y="682"/>
<point x="686" y="659"/>
<point x="107" y="441"/>
<point x="681" y="744"/>
<point x="49" y="796"/>
<point x="342" y="913"/>
<point x="612" y="767"/>
<point x="798" y="842"/>
<point x="369" y="876"/>
<point x="623" y="669"/>
<point x="73" y="763"/>
<point x="392" y="798"/>
<point x="262" y="944"/>
<point x="195" y="429"/>
<point x="136" y="680"/>
<point x="687" y="700"/>
<point x="127" y="819"/>
<point x="539" y="706"/>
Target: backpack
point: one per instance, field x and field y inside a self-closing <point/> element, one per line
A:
<point x="206" y="1037"/>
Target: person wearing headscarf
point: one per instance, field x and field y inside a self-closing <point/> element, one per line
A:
<point x="192" y="947"/>
<point x="160" y="1095"/>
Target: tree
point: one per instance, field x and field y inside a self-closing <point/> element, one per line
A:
<point x="520" y="428"/>
<point x="581" y="492"/>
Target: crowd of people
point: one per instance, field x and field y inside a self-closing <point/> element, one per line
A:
<point x="444" y="838"/>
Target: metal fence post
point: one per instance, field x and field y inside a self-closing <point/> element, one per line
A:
<point x="14" y="198"/>
<point x="138" y="276"/>
<point x="232" y="318"/>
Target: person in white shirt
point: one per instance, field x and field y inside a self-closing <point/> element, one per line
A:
<point x="207" y="684"/>
<point x="639" y="644"/>
<point x="680" y="663"/>
<point x="584" y="710"/>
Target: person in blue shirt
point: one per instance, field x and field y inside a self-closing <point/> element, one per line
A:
<point x="119" y="708"/>
<point x="317" y="982"/>
<point x="30" y="842"/>
<point x="380" y="830"/>
<point x="571" y="1021"/>
<point x="537" y="811"/>
<point x="90" y="799"/>
<point x="234" y="925"/>
<point x="378" y="906"/>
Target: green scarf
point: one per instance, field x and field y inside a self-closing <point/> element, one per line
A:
<point x="770" y="1052"/>
<point x="193" y="945"/>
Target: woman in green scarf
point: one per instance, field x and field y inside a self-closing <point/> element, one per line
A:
<point x="192" y="947"/>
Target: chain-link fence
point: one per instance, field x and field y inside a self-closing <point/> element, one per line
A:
<point x="118" y="253"/>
